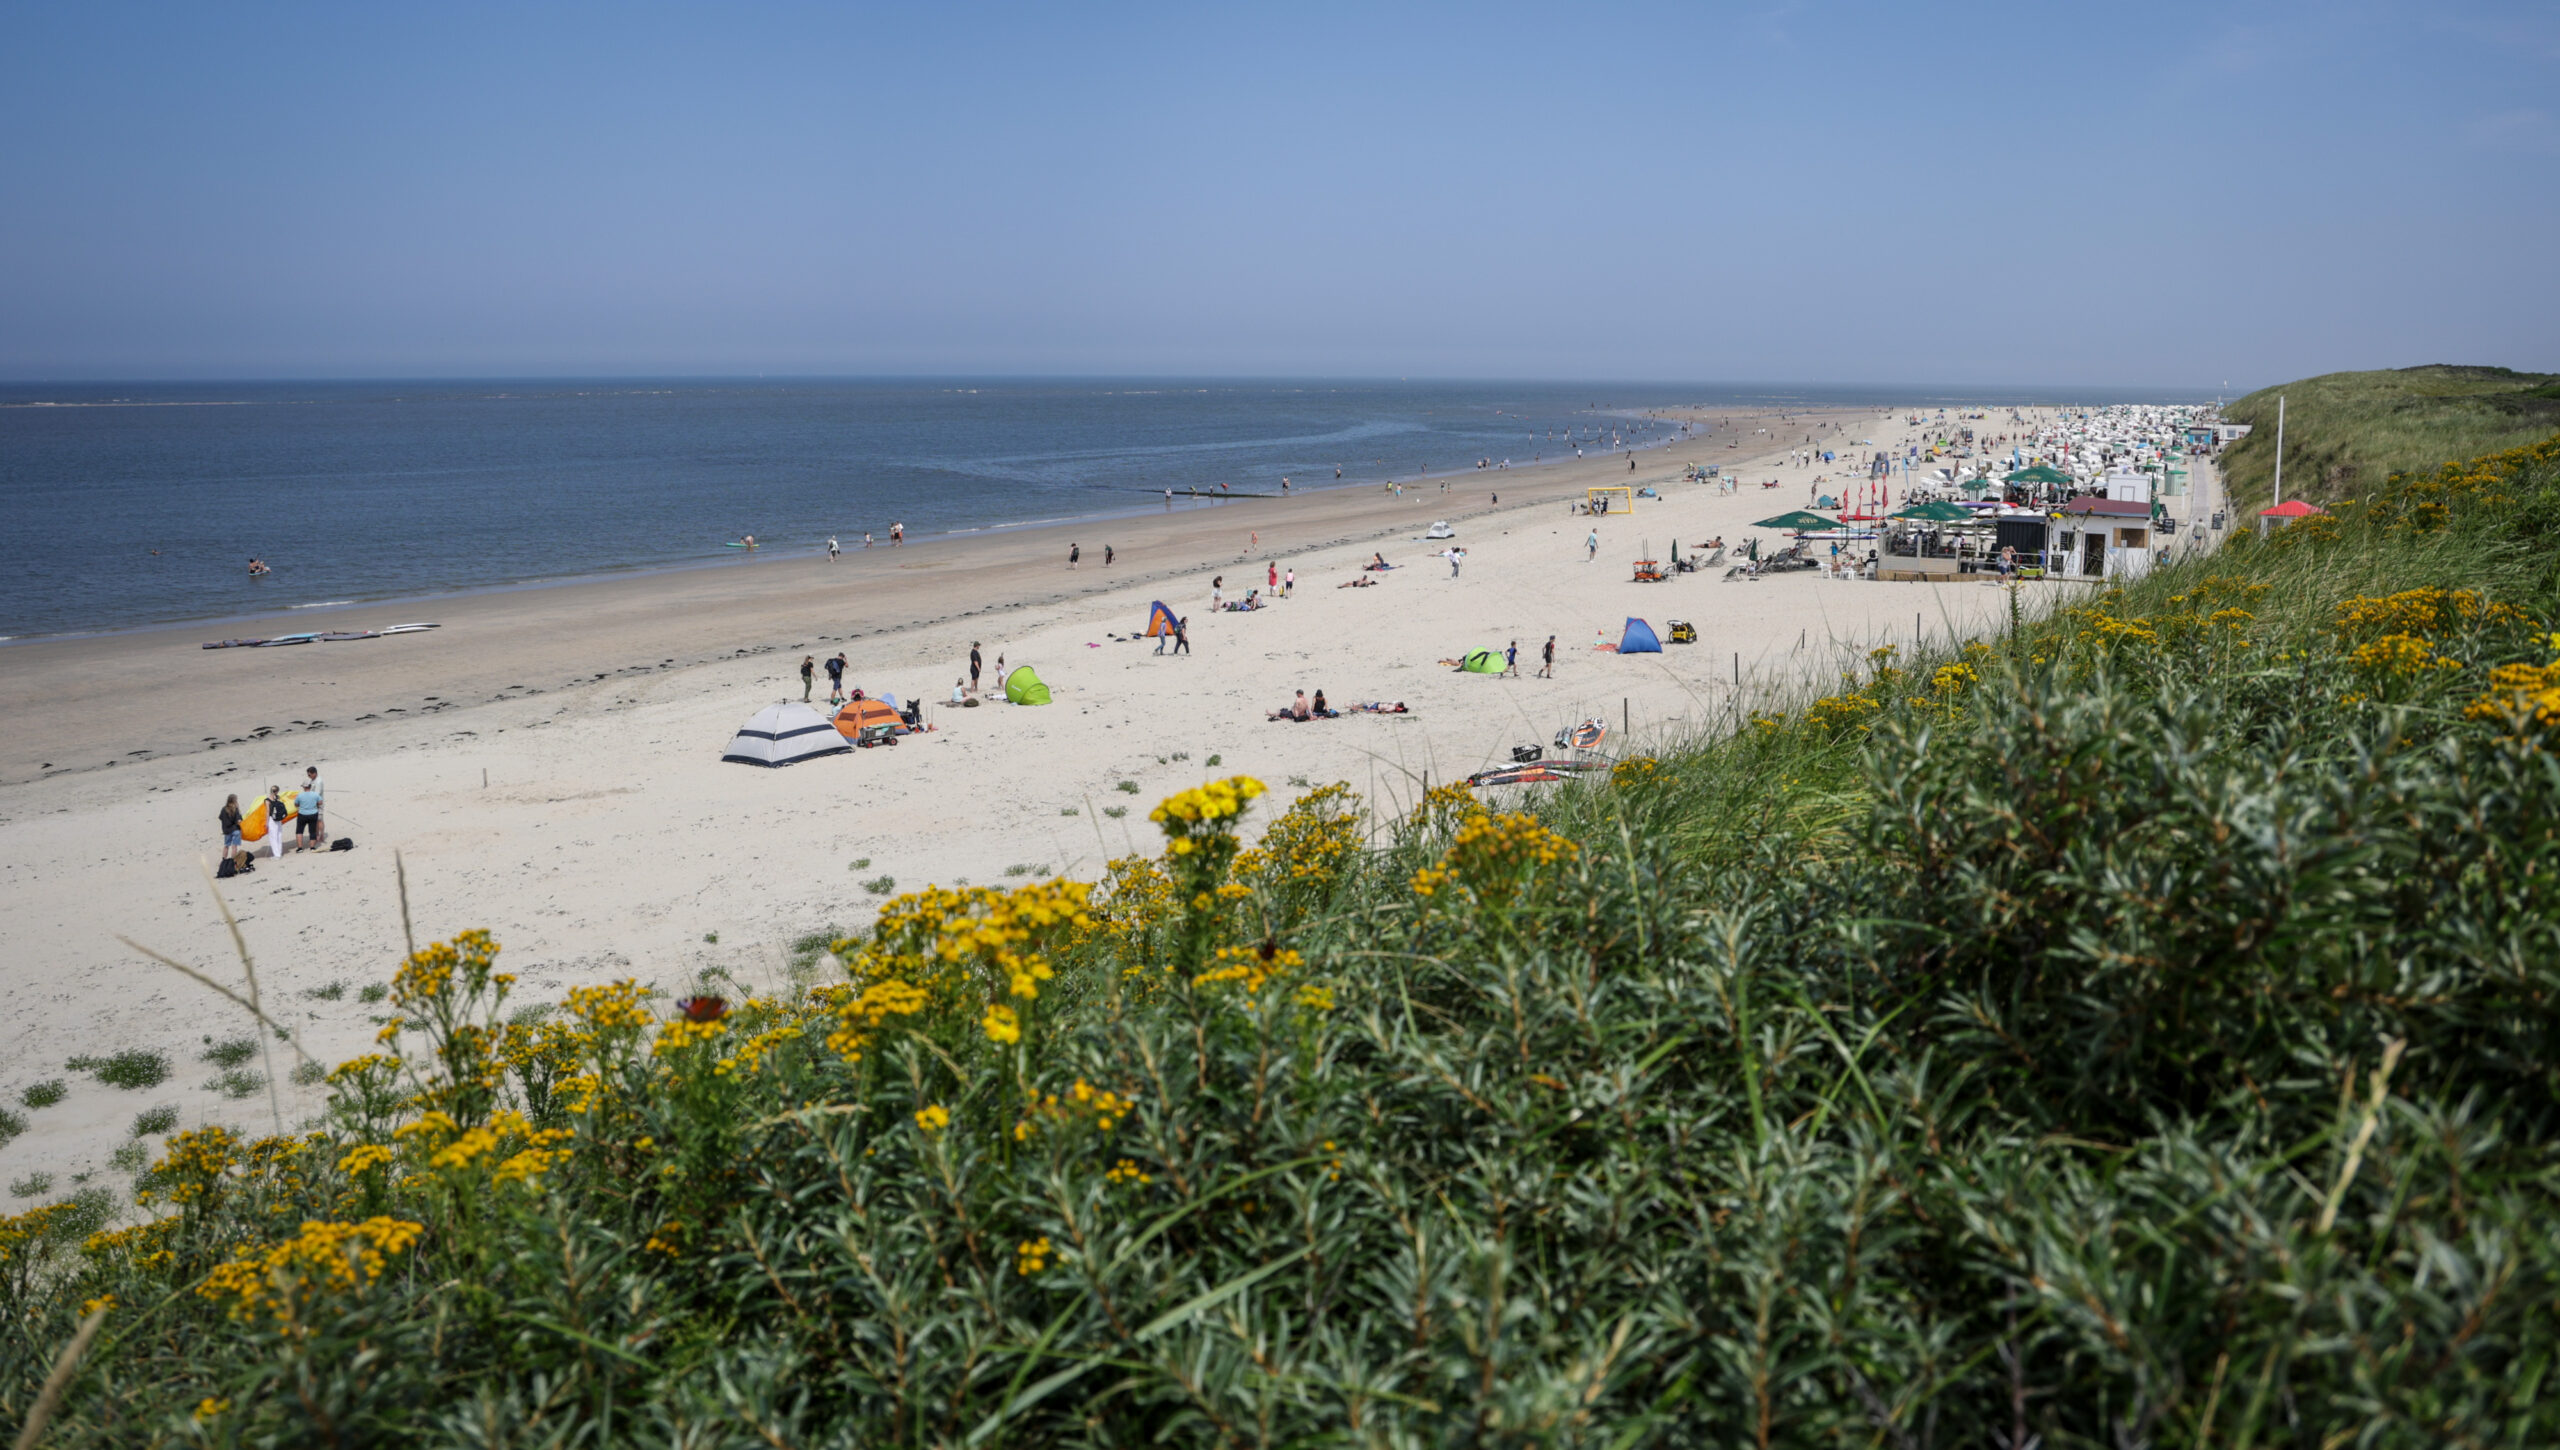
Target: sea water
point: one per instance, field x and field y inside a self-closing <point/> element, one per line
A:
<point x="129" y="505"/>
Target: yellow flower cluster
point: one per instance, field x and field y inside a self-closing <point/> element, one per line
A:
<point x="1309" y="846"/>
<point x="428" y="975"/>
<point x="752" y="1053"/>
<point x="1202" y="805"/>
<point x="2521" y="695"/>
<point x="1953" y="679"/>
<point x="2425" y="502"/>
<point x="146" y="1243"/>
<point x="31" y="1227"/>
<point x="2422" y="612"/>
<point x="1492" y="858"/>
<point x="1126" y="1171"/>
<point x="281" y="1281"/>
<point x="613" y="1006"/>
<point x="364" y="1158"/>
<point x="1002" y="1025"/>
<point x="1635" y="772"/>
<point x="191" y="1169"/>
<point x="1251" y="966"/>
<point x="681" y="1033"/>
<point x="1315" y="998"/>
<point x="858" y="1018"/>
<point x="2400" y="654"/>
<point x="1032" y="1255"/>
<point x="933" y="1117"/>
<point x="1101" y="1107"/>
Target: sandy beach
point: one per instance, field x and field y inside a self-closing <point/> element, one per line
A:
<point x="548" y="762"/>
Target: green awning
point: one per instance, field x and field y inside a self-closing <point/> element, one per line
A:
<point x="1797" y="520"/>
<point x="2041" y="473"/>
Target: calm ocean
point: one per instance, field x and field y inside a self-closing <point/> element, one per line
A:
<point x="130" y="504"/>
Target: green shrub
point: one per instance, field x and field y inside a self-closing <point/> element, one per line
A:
<point x="44" y="1094"/>
<point x="154" y="1120"/>
<point x="34" y="1185"/>
<point x="238" y="1083"/>
<point x="231" y="1052"/>
<point x="330" y="992"/>
<point x="11" y="1125"/>
<point x="881" y="885"/>
<point x="308" y="1073"/>
<point x="373" y="992"/>
<point x="132" y="1069"/>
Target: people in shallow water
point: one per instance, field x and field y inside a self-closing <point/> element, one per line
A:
<point x="258" y="567"/>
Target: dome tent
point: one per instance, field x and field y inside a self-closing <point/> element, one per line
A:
<point x="1482" y="662"/>
<point x="785" y="733"/>
<point x="1022" y="687"/>
<point x="1639" y="639"/>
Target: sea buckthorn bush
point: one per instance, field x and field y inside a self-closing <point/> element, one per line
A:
<point x="2137" y="1028"/>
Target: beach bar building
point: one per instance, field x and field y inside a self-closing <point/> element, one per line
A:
<point x="2101" y="538"/>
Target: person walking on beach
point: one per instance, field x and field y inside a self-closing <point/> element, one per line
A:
<point x="1455" y="556"/>
<point x="1074" y="552"/>
<point x="1107" y="556"/>
<point x="1547" y="662"/>
<point x="1591" y="547"/>
<point x="832" y="550"/>
<point x="808" y="676"/>
<point x="866" y="541"/>
<point x="1511" y="661"/>
<point x="897" y="535"/>
<point x="973" y="667"/>
<point x="835" y="679"/>
<point x="1182" y="635"/>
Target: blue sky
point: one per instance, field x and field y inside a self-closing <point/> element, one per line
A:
<point x="2160" y="194"/>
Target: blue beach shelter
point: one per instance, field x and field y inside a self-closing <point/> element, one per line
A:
<point x="1639" y="640"/>
<point x="1160" y="621"/>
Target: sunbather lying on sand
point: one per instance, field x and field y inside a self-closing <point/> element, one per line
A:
<point x="1376" y="707"/>
<point x="1361" y="583"/>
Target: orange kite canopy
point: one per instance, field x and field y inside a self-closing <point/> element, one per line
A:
<point x="2292" y="508"/>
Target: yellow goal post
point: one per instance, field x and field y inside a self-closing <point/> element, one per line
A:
<point x="1599" y="499"/>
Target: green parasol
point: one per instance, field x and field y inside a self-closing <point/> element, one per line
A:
<point x="1935" y="513"/>
<point x="2041" y="473"/>
<point x="1797" y="520"/>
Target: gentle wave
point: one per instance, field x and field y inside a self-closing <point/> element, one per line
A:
<point x="321" y="604"/>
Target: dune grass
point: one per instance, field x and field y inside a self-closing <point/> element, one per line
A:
<point x="2347" y="432"/>
<point x="2133" y="1029"/>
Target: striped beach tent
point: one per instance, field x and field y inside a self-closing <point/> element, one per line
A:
<point x="1160" y="620"/>
<point x="785" y="733"/>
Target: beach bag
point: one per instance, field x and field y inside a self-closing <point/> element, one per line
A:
<point x="1523" y="754"/>
<point x="343" y="843"/>
<point x="229" y="868"/>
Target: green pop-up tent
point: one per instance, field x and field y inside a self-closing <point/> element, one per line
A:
<point x="1482" y="662"/>
<point x="1024" y="688"/>
<point x="1797" y="520"/>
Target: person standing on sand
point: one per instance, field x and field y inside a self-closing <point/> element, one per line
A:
<point x="1107" y="555"/>
<point x="973" y="667"/>
<point x="306" y="808"/>
<point x="1217" y="593"/>
<point x="231" y="847"/>
<point x="1289" y="584"/>
<point x="1547" y="665"/>
<point x="832" y="550"/>
<point x="866" y="541"/>
<point x="1272" y="580"/>
<point x="1511" y="661"/>
<point x="808" y="676"/>
<point x="897" y="535"/>
<point x="1591" y="547"/>
<point x="1074" y="552"/>
<point x="835" y="679"/>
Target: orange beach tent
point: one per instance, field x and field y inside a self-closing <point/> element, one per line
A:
<point x="860" y="715"/>
<point x="1160" y="621"/>
<point x="253" y="818"/>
